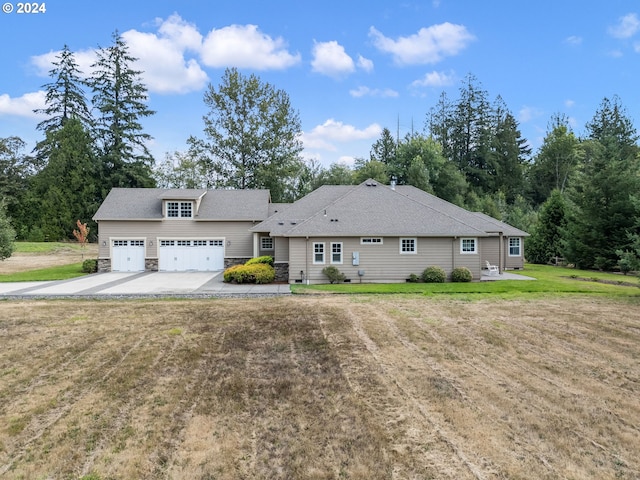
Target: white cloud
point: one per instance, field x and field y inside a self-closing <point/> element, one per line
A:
<point x="365" y="64"/>
<point x="363" y="91"/>
<point x="626" y="27"/>
<point x="573" y="40"/>
<point x="181" y="33"/>
<point x="330" y="132"/>
<point x="569" y="103"/>
<point x="23" y="106"/>
<point x="163" y="64"/>
<point x="435" y="79"/>
<point x="329" y="58"/>
<point x="429" y="45"/>
<point x="636" y="47"/>
<point x="244" y="46"/>
<point x="526" y="114"/>
<point x="161" y="57"/>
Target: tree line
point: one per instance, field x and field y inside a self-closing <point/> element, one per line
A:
<point x="576" y="195"/>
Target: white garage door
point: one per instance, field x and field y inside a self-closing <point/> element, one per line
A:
<point x="127" y="256"/>
<point x="195" y="255"/>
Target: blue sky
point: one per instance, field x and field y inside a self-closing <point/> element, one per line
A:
<point x="349" y="67"/>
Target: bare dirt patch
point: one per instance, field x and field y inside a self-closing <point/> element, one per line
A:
<point x="320" y="387"/>
<point x="23" y="261"/>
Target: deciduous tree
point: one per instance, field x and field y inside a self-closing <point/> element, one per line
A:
<point x="252" y="135"/>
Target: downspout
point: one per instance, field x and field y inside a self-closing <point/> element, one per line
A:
<point x="453" y="253"/>
<point x="500" y="254"/>
<point x="306" y="260"/>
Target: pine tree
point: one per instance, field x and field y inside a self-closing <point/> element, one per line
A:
<point x="120" y="97"/>
<point x="509" y="154"/>
<point x="603" y="215"/>
<point x="62" y="203"/>
<point x="545" y="242"/>
<point x="65" y="97"/>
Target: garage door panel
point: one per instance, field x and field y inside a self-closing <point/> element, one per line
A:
<point x="127" y="256"/>
<point x="191" y="255"/>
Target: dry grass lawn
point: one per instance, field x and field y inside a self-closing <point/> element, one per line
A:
<point x="320" y="387"/>
<point x="22" y="261"/>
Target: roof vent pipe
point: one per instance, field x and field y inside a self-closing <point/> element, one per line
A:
<point x="393" y="183"/>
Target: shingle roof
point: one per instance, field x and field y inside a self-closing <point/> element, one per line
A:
<point x="373" y="209"/>
<point x="477" y="219"/>
<point x="146" y="204"/>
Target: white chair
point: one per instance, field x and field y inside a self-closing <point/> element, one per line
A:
<point x="493" y="269"/>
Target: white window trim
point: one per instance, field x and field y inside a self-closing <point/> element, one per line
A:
<point x="475" y="246"/>
<point x="262" y="247"/>
<point x="519" y="246"/>
<point x="378" y="241"/>
<point x="179" y="211"/>
<point x="341" y="253"/>
<point x="324" y="253"/>
<point x="415" y="246"/>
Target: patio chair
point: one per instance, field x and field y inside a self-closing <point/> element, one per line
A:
<point x="493" y="269"/>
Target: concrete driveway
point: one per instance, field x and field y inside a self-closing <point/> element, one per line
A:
<point x="140" y="284"/>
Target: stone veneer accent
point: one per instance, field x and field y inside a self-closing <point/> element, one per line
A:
<point x="230" y="262"/>
<point x="104" y="265"/>
<point x="282" y="271"/>
<point x="150" y="264"/>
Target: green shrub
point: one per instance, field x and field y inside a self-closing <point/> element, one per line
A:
<point x="434" y="275"/>
<point x="254" y="273"/>
<point x="333" y="274"/>
<point x="266" y="259"/>
<point x="230" y="273"/>
<point x="90" y="265"/>
<point x="413" y="278"/>
<point x="461" y="274"/>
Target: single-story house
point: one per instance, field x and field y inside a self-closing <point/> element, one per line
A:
<point x="371" y="232"/>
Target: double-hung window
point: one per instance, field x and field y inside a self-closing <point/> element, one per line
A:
<point x="318" y="252"/>
<point x="514" y="247"/>
<point x="336" y="252"/>
<point x="408" y="245"/>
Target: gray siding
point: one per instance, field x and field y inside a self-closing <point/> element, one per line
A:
<point x="513" y="262"/>
<point x="490" y="251"/>
<point x="238" y="239"/>
<point x="380" y="263"/>
<point x="282" y="249"/>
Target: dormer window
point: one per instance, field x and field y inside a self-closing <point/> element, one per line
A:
<point x="179" y="209"/>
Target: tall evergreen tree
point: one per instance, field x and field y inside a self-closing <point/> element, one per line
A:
<point x="253" y="135"/>
<point x="545" y="242"/>
<point x="509" y="152"/>
<point x="62" y="203"/>
<point x="120" y="98"/>
<point x="65" y="97"/>
<point x="384" y="149"/>
<point x="603" y="215"/>
<point x="471" y="135"/>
